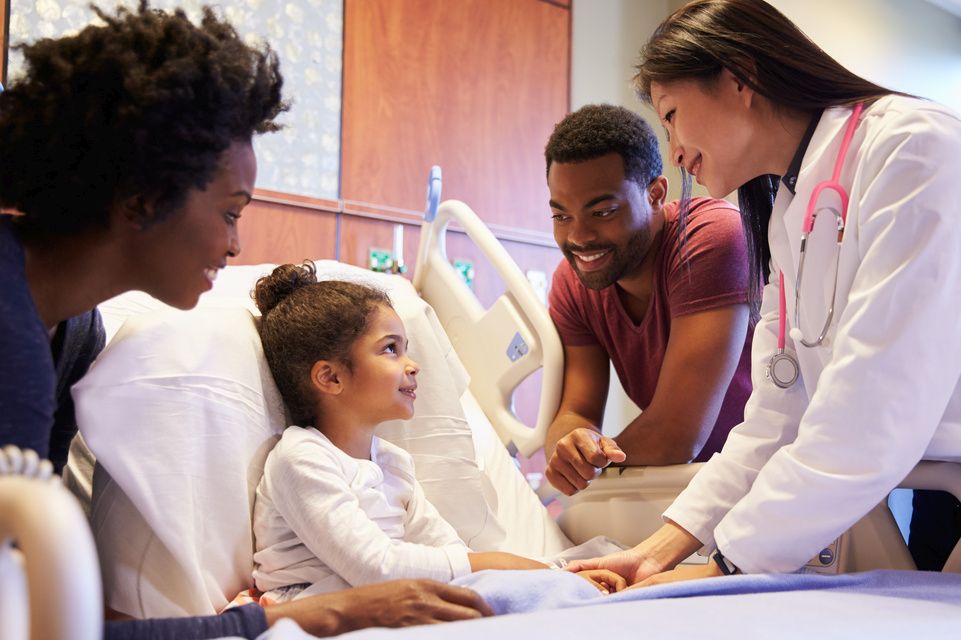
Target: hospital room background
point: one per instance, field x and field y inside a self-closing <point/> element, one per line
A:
<point x="382" y="91"/>
<point x="385" y="89"/>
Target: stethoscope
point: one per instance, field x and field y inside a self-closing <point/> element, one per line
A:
<point x="784" y="368"/>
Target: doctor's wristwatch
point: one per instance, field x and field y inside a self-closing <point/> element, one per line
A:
<point x="726" y="566"/>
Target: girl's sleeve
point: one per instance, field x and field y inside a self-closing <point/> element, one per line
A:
<point x="325" y="514"/>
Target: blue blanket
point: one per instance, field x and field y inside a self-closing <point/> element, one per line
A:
<point x="525" y="591"/>
<point x="553" y="604"/>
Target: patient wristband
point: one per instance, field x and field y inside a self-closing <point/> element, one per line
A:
<point x="726" y="566"/>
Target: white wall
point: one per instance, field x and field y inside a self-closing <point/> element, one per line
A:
<point x="907" y="45"/>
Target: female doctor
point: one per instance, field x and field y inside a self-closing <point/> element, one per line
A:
<point x="856" y="359"/>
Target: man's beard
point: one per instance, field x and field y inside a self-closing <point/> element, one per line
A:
<point x="624" y="261"/>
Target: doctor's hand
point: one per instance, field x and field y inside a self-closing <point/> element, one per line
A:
<point x="399" y="603"/>
<point x="578" y="458"/>
<point x="681" y="574"/>
<point x="631" y="565"/>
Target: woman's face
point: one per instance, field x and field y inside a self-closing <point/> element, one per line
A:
<point x="179" y="257"/>
<point x="709" y="130"/>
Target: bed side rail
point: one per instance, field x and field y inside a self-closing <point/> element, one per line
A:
<point x="499" y="346"/>
<point x="48" y="561"/>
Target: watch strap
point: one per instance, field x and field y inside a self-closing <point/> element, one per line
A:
<point x="726" y="566"/>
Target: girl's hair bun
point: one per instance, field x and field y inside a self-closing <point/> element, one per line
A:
<point x="272" y="289"/>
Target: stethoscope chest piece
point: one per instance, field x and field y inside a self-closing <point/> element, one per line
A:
<point x="783" y="369"/>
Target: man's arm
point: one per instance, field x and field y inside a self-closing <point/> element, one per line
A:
<point x="701" y="358"/>
<point x="584" y="395"/>
<point x="574" y="446"/>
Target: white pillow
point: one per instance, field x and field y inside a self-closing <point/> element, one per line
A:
<point x="180" y="411"/>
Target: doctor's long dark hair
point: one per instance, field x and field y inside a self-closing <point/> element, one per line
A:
<point x="768" y="53"/>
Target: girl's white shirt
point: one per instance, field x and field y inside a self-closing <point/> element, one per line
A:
<point x="883" y="391"/>
<point x="330" y="521"/>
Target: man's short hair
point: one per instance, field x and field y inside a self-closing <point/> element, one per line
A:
<point x="599" y="129"/>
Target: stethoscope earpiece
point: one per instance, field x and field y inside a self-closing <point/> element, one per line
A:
<point x="796" y="334"/>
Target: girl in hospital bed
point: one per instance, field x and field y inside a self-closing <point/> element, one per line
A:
<point x="337" y="506"/>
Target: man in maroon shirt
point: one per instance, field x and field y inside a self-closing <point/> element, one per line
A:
<point x="660" y="295"/>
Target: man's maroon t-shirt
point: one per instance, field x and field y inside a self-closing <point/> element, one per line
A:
<point x="709" y="271"/>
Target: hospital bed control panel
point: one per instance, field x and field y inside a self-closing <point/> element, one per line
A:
<point x="517" y="348"/>
<point x="826" y="561"/>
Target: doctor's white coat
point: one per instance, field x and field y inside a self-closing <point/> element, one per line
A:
<point x="883" y="390"/>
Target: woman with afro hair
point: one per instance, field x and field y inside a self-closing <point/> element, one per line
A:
<point x="125" y="163"/>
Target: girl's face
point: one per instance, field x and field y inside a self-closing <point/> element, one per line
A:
<point x="382" y="383"/>
<point x="709" y="130"/>
<point x="178" y="258"/>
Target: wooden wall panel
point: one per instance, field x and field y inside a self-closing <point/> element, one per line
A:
<point x="487" y="284"/>
<point x="475" y="86"/>
<point x="359" y="235"/>
<point x="278" y="233"/>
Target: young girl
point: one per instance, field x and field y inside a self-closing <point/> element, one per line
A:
<point x="338" y="507"/>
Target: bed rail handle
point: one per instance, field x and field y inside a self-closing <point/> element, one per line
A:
<point x="500" y="346"/>
<point x="55" y="553"/>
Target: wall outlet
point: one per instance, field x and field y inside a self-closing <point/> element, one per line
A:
<point x="381" y="260"/>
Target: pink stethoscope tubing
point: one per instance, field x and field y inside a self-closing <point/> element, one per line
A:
<point x="784" y="368"/>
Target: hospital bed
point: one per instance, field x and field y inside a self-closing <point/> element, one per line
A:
<point x="183" y="443"/>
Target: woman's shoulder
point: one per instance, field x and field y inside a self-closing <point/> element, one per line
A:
<point x="898" y="115"/>
<point x="902" y="131"/>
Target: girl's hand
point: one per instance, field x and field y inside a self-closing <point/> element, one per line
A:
<point x="605" y="581"/>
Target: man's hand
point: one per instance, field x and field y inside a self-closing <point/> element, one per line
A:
<point x="400" y="603"/>
<point x="578" y="458"/>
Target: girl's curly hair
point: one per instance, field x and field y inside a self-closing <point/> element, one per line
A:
<point x="144" y="104"/>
